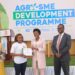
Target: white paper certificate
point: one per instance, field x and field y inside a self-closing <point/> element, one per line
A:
<point x="27" y="51"/>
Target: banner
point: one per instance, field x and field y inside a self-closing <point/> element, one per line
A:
<point x="22" y="16"/>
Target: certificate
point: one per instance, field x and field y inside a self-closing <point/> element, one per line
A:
<point x="27" y="51"/>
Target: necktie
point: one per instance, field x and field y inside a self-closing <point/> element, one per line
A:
<point x="58" y="42"/>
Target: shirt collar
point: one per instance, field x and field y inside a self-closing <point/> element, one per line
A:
<point x="62" y="34"/>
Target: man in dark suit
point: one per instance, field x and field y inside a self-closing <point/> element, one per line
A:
<point x="60" y="47"/>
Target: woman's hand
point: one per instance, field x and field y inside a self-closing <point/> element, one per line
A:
<point x="27" y="56"/>
<point x="36" y="49"/>
<point x="33" y="48"/>
<point x="13" y="54"/>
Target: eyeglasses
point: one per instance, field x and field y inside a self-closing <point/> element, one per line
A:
<point x="59" y="28"/>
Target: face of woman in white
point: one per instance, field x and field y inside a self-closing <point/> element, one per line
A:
<point x="20" y="38"/>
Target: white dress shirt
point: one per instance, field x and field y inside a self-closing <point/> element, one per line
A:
<point x="60" y="36"/>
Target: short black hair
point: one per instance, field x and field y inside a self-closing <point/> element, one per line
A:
<point x="17" y="36"/>
<point x="61" y="25"/>
<point x="38" y="30"/>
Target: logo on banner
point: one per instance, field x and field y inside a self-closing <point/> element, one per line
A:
<point x="40" y="14"/>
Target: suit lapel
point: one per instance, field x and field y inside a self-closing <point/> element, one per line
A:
<point x="57" y="39"/>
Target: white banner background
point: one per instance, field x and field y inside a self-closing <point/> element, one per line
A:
<point x="48" y="31"/>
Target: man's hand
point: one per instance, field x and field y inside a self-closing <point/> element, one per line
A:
<point x="58" y="55"/>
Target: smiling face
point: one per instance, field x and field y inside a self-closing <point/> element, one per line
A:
<point x="60" y="28"/>
<point x="20" y="39"/>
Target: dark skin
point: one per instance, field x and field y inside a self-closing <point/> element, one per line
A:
<point x="36" y="35"/>
<point x="19" y="40"/>
<point x="60" y="31"/>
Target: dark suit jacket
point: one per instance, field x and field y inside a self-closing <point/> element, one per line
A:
<point x="65" y="46"/>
